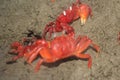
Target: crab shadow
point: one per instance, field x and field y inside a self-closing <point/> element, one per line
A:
<point x="57" y="63"/>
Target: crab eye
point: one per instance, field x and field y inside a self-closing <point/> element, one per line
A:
<point x="64" y="13"/>
<point x="70" y="8"/>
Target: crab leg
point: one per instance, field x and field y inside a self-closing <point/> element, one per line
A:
<point x="16" y="57"/>
<point x="38" y="65"/>
<point x="81" y="47"/>
<point x="96" y="47"/>
<point x="33" y="56"/>
<point x="83" y="44"/>
<point x="20" y="54"/>
<point x="85" y="56"/>
<point x="27" y="55"/>
<point x="47" y="57"/>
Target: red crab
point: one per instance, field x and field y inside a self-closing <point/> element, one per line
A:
<point x="59" y="48"/>
<point x="77" y="10"/>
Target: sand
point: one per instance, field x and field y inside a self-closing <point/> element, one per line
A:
<point x="17" y="16"/>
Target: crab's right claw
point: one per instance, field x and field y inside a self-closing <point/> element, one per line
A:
<point x="84" y="12"/>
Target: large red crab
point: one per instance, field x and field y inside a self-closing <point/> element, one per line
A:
<point x="59" y="48"/>
<point x="51" y="51"/>
<point x="77" y="10"/>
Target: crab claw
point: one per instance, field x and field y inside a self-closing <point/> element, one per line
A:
<point x="84" y="12"/>
<point x="83" y="20"/>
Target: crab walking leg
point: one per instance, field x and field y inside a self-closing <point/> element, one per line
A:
<point x="13" y="51"/>
<point x="38" y="65"/>
<point x="84" y="45"/>
<point x="33" y="56"/>
<point x="85" y="56"/>
<point x="47" y="57"/>
<point x="80" y="41"/>
<point x="20" y="54"/>
<point x="96" y="47"/>
<point x="27" y="55"/>
<point x="81" y="46"/>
